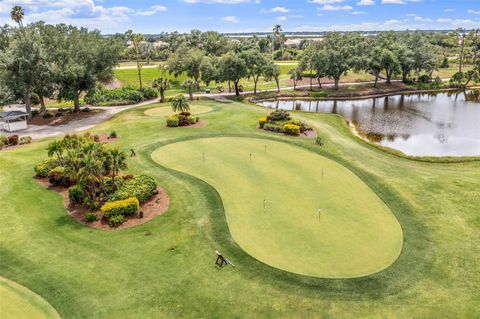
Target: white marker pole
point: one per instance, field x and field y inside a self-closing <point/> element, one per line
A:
<point x="319" y="213"/>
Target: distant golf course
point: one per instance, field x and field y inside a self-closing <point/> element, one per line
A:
<point x="272" y="203"/>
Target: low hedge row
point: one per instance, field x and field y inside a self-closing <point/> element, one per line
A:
<point x="115" y="212"/>
<point x="142" y="187"/>
<point x="182" y="119"/>
<point x="43" y="168"/>
<point x="121" y="96"/>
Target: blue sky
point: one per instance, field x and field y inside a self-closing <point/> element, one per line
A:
<point x="251" y="15"/>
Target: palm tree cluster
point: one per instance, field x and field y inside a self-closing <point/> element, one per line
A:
<point x="90" y="164"/>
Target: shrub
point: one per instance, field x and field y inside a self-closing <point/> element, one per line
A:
<point x="125" y="95"/>
<point x="42" y="169"/>
<point x="86" y="109"/>
<point x="58" y="177"/>
<point x="113" y="134"/>
<point x="35" y="112"/>
<point x="25" y="140"/>
<point x="262" y="121"/>
<point x="3" y="141"/>
<point x="75" y="194"/>
<point x="291" y="129"/>
<point x="279" y="115"/>
<point x="58" y="114"/>
<point x="116" y="220"/>
<point x="12" y="140"/>
<point x="424" y="78"/>
<point x="47" y="115"/>
<point x="173" y="121"/>
<point x="273" y="127"/>
<point x="90" y="217"/>
<point x="142" y="187"/>
<point x="126" y="207"/>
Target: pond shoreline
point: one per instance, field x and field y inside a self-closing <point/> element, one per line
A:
<point x="358" y="96"/>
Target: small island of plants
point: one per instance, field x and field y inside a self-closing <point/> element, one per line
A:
<point x="89" y="175"/>
<point x="280" y="121"/>
<point x="184" y="117"/>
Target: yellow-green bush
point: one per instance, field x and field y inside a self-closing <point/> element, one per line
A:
<point x="124" y="207"/>
<point x="262" y="121"/>
<point x="291" y="129"/>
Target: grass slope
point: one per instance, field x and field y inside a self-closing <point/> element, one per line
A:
<point x="164" y="268"/>
<point x="17" y="302"/>
<point x="355" y="236"/>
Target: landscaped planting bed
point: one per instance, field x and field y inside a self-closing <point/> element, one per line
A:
<point x="280" y="121"/>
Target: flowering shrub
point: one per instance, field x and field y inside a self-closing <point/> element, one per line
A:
<point x="291" y="129"/>
<point x="43" y="168"/>
<point x="262" y="121"/>
<point x="126" y="207"/>
<point x="142" y="187"/>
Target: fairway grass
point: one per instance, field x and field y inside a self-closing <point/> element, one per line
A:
<point x="165" y="268"/>
<point x="18" y="302"/>
<point x="355" y="235"/>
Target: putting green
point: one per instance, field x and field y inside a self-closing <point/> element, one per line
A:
<point x="167" y="110"/>
<point x="355" y="235"/>
<point x="18" y="302"/>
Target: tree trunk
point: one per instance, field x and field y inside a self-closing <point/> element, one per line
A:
<point x="237" y="92"/>
<point x="162" y="95"/>
<point x="255" y="80"/>
<point x="190" y="93"/>
<point x="43" y="108"/>
<point x="389" y="76"/>
<point x="278" y="85"/>
<point x="311" y="82"/>
<point x="76" y="103"/>
<point x="139" y="69"/>
<point x="336" y="83"/>
<point x="461" y="53"/>
<point x="229" y="87"/>
<point x="28" y="102"/>
<point x="319" y="82"/>
<point x="376" y="80"/>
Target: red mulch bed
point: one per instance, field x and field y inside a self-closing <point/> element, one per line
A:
<point x="155" y="206"/>
<point x="64" y="119"/>
<point x="104" y="137"/>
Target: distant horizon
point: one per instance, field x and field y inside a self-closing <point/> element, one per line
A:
<point x="250" y="16"/>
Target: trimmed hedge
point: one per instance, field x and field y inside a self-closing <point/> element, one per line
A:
<point x="142" y="187"/>
<point x="182" y="119"/>
<point x="124" y="207"/>
<point x="43" y="168"/>
<point x="291" y="129"/>
<point x="173" y="121"/>
<point x="121" y="96"/>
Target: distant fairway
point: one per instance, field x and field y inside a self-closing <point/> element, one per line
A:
<point x="166" y="110"/>
<point x="356" y="234"/>
<point x="18" y="302"/>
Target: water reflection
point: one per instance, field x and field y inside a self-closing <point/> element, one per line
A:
<point x="426" y="124"/>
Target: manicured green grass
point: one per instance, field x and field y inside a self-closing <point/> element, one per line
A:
<point x="165" y="268"/>
<point x="289" y="233"/>
<point x="166" y="110"/>
<point x="17" y="302"/>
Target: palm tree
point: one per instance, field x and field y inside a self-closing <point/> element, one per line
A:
<point x="180" y="104"/>
<point x="137" y="41"/>
<point x="277" y="31"/>
<point x="118" y="162"/>
<point x="89" y="174"/>
<point x="17" y="15"/>
<point x="190" y="85"/>
<point x="161" y="84"/>
<point x="56" y="148"/>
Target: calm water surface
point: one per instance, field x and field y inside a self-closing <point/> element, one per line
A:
<point x="428" y="124"/>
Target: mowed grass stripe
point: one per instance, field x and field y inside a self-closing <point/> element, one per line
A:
<point x="356" y="235"/>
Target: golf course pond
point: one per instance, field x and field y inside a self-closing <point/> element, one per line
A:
<point x="421" y="124"/>
<point x="291" y="208"/>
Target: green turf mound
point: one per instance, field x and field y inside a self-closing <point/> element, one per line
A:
<point x="356" y="234"/>
<point x="166" y="110"/>
<point x="18" y="302"/>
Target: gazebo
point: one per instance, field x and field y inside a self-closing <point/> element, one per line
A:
<point x="12" y="121"/>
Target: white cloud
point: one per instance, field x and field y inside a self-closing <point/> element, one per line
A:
<point x="463" y="23"/>
<point x="365" y="3"/>
<point x="358" y="12"/>
<point x="153" y="9"/>
<point x="281" y="18"/>
<point x="393" y="2"/>
<point x="230" y="19"/>
<point x="473" y="12"/>
<point x="280" y="10"/>
<point x="448" y="10"/>
<point x="329" y="7"/>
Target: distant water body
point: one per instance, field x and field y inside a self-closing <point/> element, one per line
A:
<point x="423" y="124"/>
